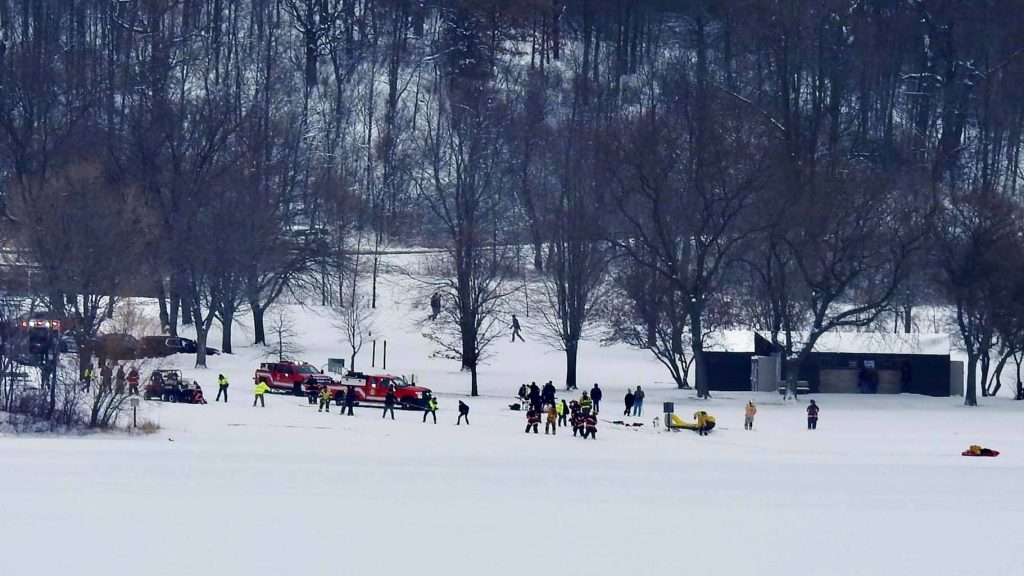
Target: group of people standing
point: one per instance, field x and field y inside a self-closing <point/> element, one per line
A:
<point x="111" y="380"/>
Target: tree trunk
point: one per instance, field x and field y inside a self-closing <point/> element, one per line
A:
<point x="971" y="392"/>
<point x="172" y="323"/>
<point x="571" y="354"/>
<point x="697" y="346"/>
<point x="165" y="318"/>
<point x="259" y="332"/>
<point x="473" y="391"/>
<point x="227" y="321"/>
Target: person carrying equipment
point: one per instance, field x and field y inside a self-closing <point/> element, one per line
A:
<point x="325" y="396"/>
<point x="431" y="409"/>
<point x="261" y="389"/>
<point x="748" y="415"/>
<point x="463" y="413"/>
<point x="222" y="387"/>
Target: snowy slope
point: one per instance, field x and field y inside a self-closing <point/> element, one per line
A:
<point x="230" y="489"/>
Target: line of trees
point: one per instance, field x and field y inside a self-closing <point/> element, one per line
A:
<point x="671" y="167"/>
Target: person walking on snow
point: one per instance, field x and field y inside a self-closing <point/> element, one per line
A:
<point x="435" y="305"/>
<point x="261" y="389"/>
<point x="350" y="401"/>
<point x="748" y="415"/>
<point x="463" y="413"/>
<point x="532" y="420"/>
<point x="431" y="409"/>
<point x="552" y="420"/>
<point x="133" y="381"/>
<point x="389" y="403"/>
<point x="563" y="413"/>
<point x="812" y="416"/>
<point x="595" y="395"/>
<point x="516" y="329"/>
<point x="222" y="388"/>
<point x="325" y="397"/>
<point x="638" y="402"/>
<point x="628" y="401"/>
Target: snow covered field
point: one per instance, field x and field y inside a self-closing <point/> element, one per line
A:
<point x="879" y="488"/>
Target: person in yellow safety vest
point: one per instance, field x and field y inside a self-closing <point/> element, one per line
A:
<point x="261" y="389"/>
<point x="431" y="409"/>
<point x="702" y="422"/>
<point x="748" y="416"/>
<point x="562" y="409"/>
<point x="325" y="395"/>
<point x="586" y="404"/>
<point x="87" y="377"/>
<point x="222" y="388"/>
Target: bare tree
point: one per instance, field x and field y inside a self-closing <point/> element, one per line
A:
<point x="283" y="335"/>
<point x="357" y="324"/>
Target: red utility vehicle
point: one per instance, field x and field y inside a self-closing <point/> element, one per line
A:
<point x="294" y="377"/>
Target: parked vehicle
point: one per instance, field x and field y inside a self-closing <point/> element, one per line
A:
<point x="289" y="376"/>
<point x="372" y="388"/>
<point x="169" y="386"/>
<point x="161" y="346"/>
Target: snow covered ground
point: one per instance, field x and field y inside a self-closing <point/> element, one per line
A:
<point x="225" y="489"/>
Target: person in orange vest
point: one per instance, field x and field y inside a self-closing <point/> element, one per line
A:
<point x="532" y="420"/>
<point x="812" y="416"/>
<point x="748" y="415"/>
<point x="552" y="420"/>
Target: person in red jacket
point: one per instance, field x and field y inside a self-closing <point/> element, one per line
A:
<point x="812" y="416"/>
<point x="590" y="423"/>
<point x="532" y="420"/>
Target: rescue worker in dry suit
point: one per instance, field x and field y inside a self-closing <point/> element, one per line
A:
<point x="590" y="426"/>
<point x="261" y="389"/>
<point x="431" y="408"/>
<point x="222" y="388"/>
<point x="325" y="396"/>
<point x="389" y="403"/>
<point x="577" y="421"/>
<point x="532" y="420"/>
<point x="552" y="421"/>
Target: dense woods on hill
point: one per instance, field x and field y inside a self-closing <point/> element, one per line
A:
<point x="666" y="167"/>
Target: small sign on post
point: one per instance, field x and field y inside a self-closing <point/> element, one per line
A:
<point x="134" y="401"/>
<point x="336" y="365"/>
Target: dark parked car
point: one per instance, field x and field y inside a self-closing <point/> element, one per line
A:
<point x="161" y="346"/>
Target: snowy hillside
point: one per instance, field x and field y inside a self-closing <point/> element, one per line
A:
<point x="879" y="488"/>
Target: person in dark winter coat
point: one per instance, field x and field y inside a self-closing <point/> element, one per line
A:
<point x="516" y="329"/>
<point x="812" y="416"/>
<point x="435" y="305"/>
<point x="638" y="402"/>
<point x="534" y="393"/>
<point x="312" y="390"/>
<point x="389" y="404"/>
<point x="463" y="413"/>
<point x="595" y="395"/>
<point x="629" y="402"/>
<point x="532" y="420"/>
<point x="524" y="393"/>
<point x="350" y="401"/>
<point x="547" y="395"/>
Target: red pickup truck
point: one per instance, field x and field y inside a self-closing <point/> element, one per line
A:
<point x="288" y="376"/>
<point x="372" y="388"/>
